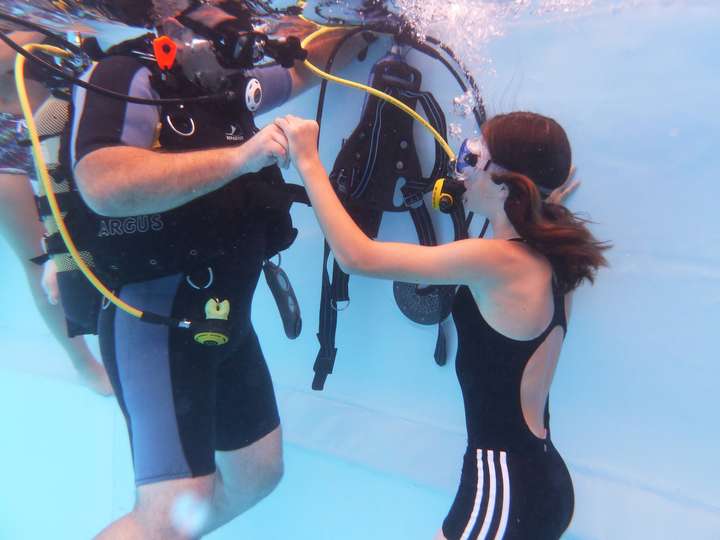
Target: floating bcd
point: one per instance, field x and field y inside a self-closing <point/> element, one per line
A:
<point x="378" y="170"/>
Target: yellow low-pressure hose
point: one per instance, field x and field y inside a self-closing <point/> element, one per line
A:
<point x="374" y="91"/>
<point x="43" y="175"/>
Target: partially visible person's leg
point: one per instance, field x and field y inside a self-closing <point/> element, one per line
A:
<point x="152" y="518"/>
<point x="188" y="406"/>
<point x="248" y="437"/>
<point x="244" y="477"/>
<point x="19" y="225"/>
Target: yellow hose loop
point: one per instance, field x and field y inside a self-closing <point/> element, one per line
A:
<point x="375" y="92"/>
<point x="42" y="173"/>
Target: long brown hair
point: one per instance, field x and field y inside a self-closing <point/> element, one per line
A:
<point x="536" y="153"/>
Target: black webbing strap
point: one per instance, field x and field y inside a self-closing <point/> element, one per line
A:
<point x="423" y="225"/>
<point x="40" y="259"/>
<point x="458" y="220"/>
<point x="68" y="201"/>
<point x="333" y="292"/>
<point x="426" y="235"/>
<point x="436" y="118"/>
<point x="54" y="244"/>
<point x="325" y="359"/>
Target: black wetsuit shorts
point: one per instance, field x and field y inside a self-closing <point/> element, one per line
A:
<point x="182" y="400"/>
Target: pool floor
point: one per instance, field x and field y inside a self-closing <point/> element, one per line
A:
<point x="67" y="470"/>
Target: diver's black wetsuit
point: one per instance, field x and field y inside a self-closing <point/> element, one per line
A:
<point x="182" y="400"/>
<point x="514" y="485"/>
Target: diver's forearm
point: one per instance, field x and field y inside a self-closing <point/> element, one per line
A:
<point x="319" y="51"/>
<point x="125" y="181"/>
<point x="349" y="243"/>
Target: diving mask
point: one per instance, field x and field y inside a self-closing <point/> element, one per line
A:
<point x="447" y="192"/>
<point x="216" y="41"/>
<point x="473" y="153"/>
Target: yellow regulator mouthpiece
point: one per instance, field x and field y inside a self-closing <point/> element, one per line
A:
<point x="439" y="198"/>
<point x="447" y="194"/>
<point x="214" y="309"/>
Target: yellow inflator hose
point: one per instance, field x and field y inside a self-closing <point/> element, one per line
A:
<point x="44" y="176"/>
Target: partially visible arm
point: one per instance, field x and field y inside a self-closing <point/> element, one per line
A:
<point x="7" y="54"/>
<point x="319" y="51"/>
<point x="124" y="180"/>
<point x="463" y="262"/>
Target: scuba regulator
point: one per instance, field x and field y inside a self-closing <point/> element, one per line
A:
<point x="447" y="193"/>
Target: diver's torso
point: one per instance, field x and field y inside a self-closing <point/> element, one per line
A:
<point x="224" y="223"/>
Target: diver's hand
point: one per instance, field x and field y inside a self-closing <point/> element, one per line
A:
<point x="267" y="147"/>
<point x="562" y="192"/>
<point x="302" y="137"/>
<point x="49" y="282"/>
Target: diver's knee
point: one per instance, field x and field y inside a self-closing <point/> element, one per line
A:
<point x="273" y="474"/>
<point x="241" y="495"/>
<point x="267" y="476"/>
<point x="168" y="509"/>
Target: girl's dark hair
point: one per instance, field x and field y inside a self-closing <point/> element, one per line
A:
<point x="536" y="153"/>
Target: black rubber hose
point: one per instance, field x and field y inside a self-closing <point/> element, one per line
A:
<point x="328" y="67"/>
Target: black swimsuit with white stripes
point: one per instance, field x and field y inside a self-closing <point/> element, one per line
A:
<point x="514" y="485"/>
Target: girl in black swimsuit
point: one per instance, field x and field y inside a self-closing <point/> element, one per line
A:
<point x="510" y="312"/>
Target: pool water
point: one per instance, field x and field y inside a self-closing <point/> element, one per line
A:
<point x="377" y="453"/>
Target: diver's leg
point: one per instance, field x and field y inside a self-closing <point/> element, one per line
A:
<point x="179" y="414"/>
<point x="440" y="536"/>
<point x="164" y="387"/>
<point x="19" y="225"/>
<point x="153" y="517"/>
<point x="248" y="435"/>
<point x="244" y="477"/>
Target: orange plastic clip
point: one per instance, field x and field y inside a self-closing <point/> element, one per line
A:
<point x="165" y="50"/>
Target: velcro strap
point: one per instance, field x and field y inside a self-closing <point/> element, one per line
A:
<point x="40" y="259"/>
<point x="67" y="201"/>
<point x="54" y="244"/>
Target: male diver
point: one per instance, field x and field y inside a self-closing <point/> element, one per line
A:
<point x="184" y="217"/>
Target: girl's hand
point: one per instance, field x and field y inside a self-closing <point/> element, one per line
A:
<point x="562" y="192"/>
<point x="302" y="136"/>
